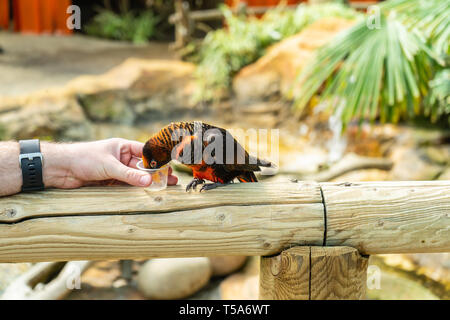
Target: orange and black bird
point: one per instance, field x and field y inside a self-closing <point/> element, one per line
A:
<point x="211" y="152"/>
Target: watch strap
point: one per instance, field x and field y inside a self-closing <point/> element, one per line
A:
<point x="31" y="163"/>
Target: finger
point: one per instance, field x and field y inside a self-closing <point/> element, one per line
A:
<point x="133" y="162"/>
<point x="172" y="180"/>
<point x="129" y="175"/>
<point x="136" y="148"/>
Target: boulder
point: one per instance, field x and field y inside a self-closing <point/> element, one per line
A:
<point x="240" y="286"/>
<point x="412" y="164"/>
<point x="137" y="89"/>
<point x="445" y="175"/>
<point x="275" y="72"/>
<point x="57" y="117"/>
<point x="175" y="278"/>
<point x="223" y="265"/>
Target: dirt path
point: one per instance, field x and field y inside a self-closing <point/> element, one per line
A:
<point x="29" y="62"/>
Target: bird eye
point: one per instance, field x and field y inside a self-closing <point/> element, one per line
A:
<point x="153" y="164"/>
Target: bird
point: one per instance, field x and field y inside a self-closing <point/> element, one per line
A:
<point x="211" y="152"/>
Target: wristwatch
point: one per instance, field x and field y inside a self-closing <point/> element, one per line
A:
<point x="31" y="163"/>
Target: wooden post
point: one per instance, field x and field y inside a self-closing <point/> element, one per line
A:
<point x="314" y="273"/>
<point x="182" y="24"/>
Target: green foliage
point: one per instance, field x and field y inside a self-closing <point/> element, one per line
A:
<point x="225" y="51"/>
<point x="438" y="102"/>
<point x="128" y="26"/>
<point x="384" y="72"/>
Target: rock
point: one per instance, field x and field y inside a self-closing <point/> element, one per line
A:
<point x="411" y="164"/>
<point x="240" y="287"/>
<point x="175" y="278"/>
<point x="57" y="117"/>
<point x="223" y="265"/>
<point x="275" y="72"/>
<point x="438" y="154"/>
<point x="107" y="106"/>
<point x="10" y="271"/>
<point x="137" y="89"/>
<point x="445" y="175"/>
<point x="435" y="266"/>
<point x="394" y="287"/>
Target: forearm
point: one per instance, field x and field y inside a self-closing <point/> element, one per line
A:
<point x="72" y="165"/>
<point x="54" y="169"/>
<point x="10" y="173"/>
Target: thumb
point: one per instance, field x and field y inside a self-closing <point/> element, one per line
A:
<point x="131" y="176"/>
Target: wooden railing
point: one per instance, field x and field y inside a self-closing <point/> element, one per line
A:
<point x="261" y="219"/>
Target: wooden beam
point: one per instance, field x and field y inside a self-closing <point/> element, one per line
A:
<point x="240" y="219"/>
<point x="314" y="273"/>
<point x="216" y="14"/>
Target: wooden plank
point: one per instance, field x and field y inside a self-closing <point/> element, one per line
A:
<point x="226" y="230"/>
<point x="314" y="273"/>
<point x="392" y="217"/>
<point x="240" y="219"/>
<point x="128" y="200"/>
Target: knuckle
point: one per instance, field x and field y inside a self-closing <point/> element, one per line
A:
<point x="132" y="175"/>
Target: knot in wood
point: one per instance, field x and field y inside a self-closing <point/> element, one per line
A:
<point x="10" y="213"/>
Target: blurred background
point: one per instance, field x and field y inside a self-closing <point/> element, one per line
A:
<point x="360" y="91"/>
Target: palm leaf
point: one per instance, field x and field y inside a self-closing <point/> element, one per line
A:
<point x="382" y="72"/>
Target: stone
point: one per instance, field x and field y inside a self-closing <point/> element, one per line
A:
<point x="275" y="72"/>
<point x="107" y="106"/>
<point x="240" y="286"/>
<point x="137" y="89"/>
<point x="223" y="265"/>
<point x="174" y="278"/>
<point x="438" y="154"/>
<point x="411" y="164"/>
<point x="445" y="175"/>
<point x="55" y="117"/>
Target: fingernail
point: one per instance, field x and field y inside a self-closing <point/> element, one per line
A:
<point x="145" y="180"/>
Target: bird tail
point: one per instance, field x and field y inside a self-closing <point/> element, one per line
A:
<point x="248" y="176"/>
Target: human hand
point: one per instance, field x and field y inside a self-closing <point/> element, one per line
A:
<point x="74" y="165"/>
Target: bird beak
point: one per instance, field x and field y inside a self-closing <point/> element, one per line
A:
<point x="145" y="163"/>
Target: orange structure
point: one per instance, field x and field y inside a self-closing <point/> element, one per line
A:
<point x="36" y="16"/>
<point x="4" y="14"/>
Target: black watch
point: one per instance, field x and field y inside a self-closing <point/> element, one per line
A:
<point x="31" y="163"/>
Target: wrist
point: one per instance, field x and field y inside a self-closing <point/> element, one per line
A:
<point x="56" y="166"/>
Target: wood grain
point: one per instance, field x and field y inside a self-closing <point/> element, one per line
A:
<point x="314" y="273"/>
<point x="337" y="273"/>
<point x="386" y="217"/>
<point x="240" y="219"/>
<point x="247" y="230"/>
<point x="129" y="200"/>
<point x="285" y="276"/>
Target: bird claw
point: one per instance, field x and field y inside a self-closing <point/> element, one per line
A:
<point x="194" y="183"/>
<point x="210" y="186"/>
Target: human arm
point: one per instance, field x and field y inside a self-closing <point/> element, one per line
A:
<point x="72" y="165"/>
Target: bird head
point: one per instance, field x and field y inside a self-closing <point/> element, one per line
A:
<point x="155" y="155"/>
